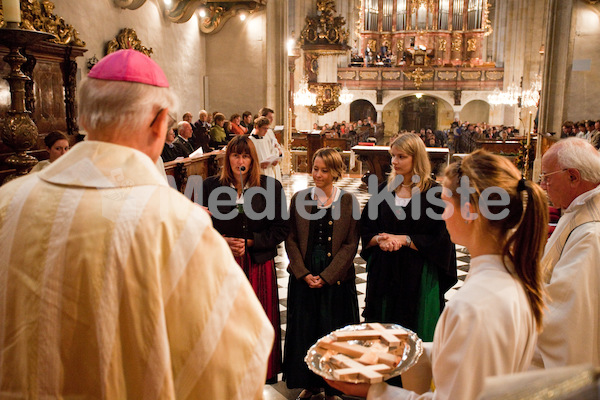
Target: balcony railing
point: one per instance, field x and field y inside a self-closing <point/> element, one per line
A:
<point x="421" y="78"/>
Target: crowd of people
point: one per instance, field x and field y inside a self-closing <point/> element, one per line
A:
<point x="113" y="285"/>
<point x="463" y="137"/>
<point x="211" y="131"/>
<point x="588" y="129"/>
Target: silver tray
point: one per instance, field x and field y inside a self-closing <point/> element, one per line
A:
<point x="409" y="354"/>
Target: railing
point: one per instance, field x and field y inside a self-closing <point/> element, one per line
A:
<point x="421" y="78"/>
<point x="206" y="165"/>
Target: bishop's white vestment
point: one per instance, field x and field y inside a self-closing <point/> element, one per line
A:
<point x="115" y="286"/>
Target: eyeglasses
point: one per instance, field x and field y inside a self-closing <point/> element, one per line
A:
<point x="544" y="177"/>
<point x="170" y="123"/>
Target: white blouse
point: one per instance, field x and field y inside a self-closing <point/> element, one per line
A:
<point x="486" y="329"/>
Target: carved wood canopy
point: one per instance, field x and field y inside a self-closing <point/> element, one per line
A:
<point x="217" y="12"/>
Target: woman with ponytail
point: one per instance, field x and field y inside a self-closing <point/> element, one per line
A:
<point x="489" y="326"/>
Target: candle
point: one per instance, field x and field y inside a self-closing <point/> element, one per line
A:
<point x="530" y="128"/>
<point x="11" y="10"/>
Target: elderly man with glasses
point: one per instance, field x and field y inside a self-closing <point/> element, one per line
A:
<point x="571" y="335"/>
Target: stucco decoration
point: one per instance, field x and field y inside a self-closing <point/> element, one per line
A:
<point x="130" y="4"/>
<point x="217" y="12"/>
<point x="494" y="75"/>
<point x="470" y="75"/>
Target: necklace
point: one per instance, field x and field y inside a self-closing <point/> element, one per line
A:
<point x="321" y="203"/>
<point x="409" y="185"/>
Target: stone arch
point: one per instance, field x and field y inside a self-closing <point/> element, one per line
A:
<point x="476" y="111"/>
<point x="361" y="109"/>
<point x="391" y="115"/>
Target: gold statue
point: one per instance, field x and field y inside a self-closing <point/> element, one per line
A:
<point x="456" y="44"/>
<point x="442" y="46"/>
<point x="471" y="44"/>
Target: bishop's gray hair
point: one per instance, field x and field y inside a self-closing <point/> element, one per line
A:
<point x="121" y="106"/>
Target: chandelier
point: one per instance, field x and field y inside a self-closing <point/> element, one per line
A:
<point x="530" y="97"/>
<point x="509" y="97"/>
<point x="495" y="98"/>
<point x="303" y="97"/>
<point x="345" y="96"/>
<point x="512" y="94"/>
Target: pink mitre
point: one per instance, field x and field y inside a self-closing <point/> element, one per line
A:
<point x="129" y="66"/>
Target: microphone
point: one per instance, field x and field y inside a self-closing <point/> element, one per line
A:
<point x="240" y="207"/>
<point x="240" y="200"/>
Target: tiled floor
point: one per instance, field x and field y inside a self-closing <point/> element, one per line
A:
<point x="354" y="185"/>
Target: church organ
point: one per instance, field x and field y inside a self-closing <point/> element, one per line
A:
<point x="449" y="32"/>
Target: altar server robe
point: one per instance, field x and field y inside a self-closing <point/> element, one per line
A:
<point x="267" y="148"/>
<point x="115" y="286"/>
<point x="487" y="329"/>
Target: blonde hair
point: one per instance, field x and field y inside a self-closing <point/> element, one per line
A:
<point x="121" y="106"/>
<point x="523" y="233"/>
<point x="412" y="145"/>
<point x="333" y="161"/>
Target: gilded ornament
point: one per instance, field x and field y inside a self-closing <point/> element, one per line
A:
<point x="400" y="46"/>
<point x="494" y="75"/>
<point x="447" y="75"/>
<point x="442" y="45"/>
<point x="470" y="75"/>
<point x="324" y="29"/>
<point x="373" y="45"/>
<point x="487" y="25"/>
<point x="368" y="75"/>
<point x="456" y="44"/>
<point x="418" y="76"/>
<point x="20" y="132"/>
<point x="471" y="44"/>
<point x="38" y="16"/>
<point x="328" y="95"/>
<point x="127" y="39"/>
<point x="390" y="75"/>
<point x="346" y="75"/>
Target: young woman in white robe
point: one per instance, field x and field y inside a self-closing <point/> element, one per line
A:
<point x="489" y="326"/>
